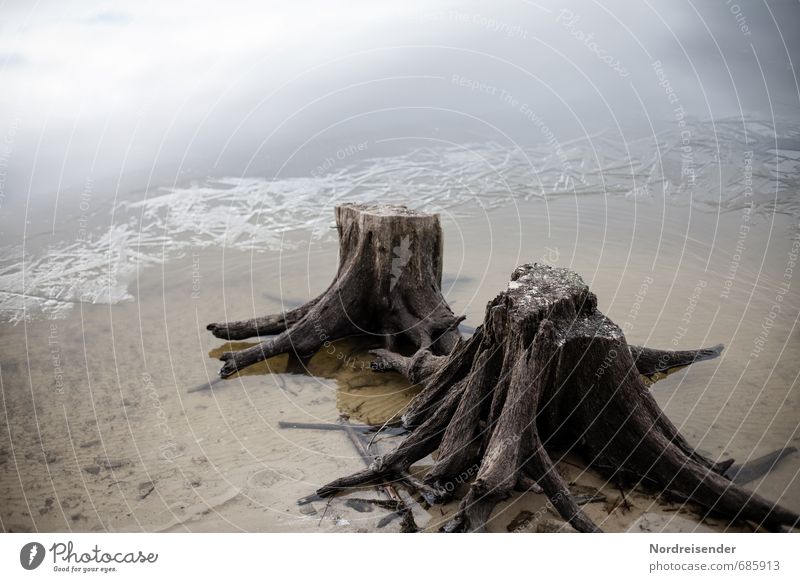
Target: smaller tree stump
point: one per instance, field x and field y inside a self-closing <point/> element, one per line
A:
<point x="388" y="285"/>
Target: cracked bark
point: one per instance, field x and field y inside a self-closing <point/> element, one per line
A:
<point x="548" y="370"/>
<point x="388" y="285"/>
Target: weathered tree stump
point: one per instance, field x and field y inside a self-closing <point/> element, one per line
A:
<point x="548" y="371"/>
<point x="388" y="285"/>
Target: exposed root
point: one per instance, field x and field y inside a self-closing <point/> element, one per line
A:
<point x="548" y="369"/>
<point x="388" y="286"/>
<point x="260" y="326"/>
<point x="650" y="361"/>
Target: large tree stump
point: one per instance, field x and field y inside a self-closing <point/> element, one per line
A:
<point x="388" y="285"/>
<point x="548" y="371"/>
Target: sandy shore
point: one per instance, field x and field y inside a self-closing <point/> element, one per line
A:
<point x="101" y="429"/>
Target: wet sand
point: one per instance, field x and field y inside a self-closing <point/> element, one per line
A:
<point x="102" y="429"/>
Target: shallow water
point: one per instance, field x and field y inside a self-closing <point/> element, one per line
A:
<point x="104" y="428"/>
<point x="726" y="165"/>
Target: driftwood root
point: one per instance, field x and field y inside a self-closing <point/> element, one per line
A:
<point x="548" y="371"/>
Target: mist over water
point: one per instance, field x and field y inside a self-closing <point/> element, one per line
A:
<point x="257" y="214"/>
<point x="130" y="95"/>
<point x="232" y="123"/>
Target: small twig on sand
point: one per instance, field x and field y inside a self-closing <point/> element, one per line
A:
<point x="321" y="426"/>
<point x="408" y="517"/>
<point x="324" y="513"/>
<point x="205" y="385"/>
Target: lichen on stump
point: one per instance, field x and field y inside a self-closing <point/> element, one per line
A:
<point x="388" y="285"/>
<point x="548" y="371"/>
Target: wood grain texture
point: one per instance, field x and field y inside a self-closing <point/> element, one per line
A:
<point x="547" y="370"/>
<point x="388" y="285"/>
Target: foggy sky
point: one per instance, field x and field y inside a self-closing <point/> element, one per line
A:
<point x="130" y="95"/>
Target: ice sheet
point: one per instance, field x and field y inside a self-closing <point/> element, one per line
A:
<point x="724" y="165"/>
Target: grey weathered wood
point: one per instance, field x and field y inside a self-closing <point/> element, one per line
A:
<point x="547" y="368"/>
<point x="388" y="285"/>
<point x="650" y="361"/>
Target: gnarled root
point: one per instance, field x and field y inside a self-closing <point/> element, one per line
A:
<point x="388" y="285"/>
<point x="546" y="368"/>
<point x="650" y="361"/>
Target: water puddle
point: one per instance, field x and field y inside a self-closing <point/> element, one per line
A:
<point x="362" y="395"/>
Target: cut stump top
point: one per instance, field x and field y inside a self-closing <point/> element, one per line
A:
<point x="537" y="292"/>
<point x="382" y="210"/>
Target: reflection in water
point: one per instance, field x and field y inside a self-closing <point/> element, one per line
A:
<point x="362" y="394"/>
